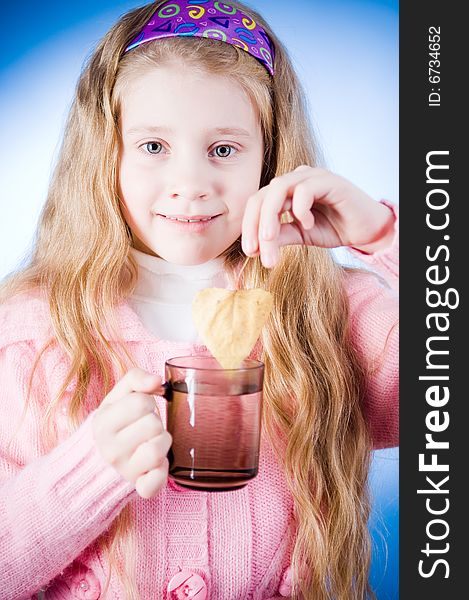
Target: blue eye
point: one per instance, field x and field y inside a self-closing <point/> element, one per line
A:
<point x="153" y="147"/>
<point x="226" y="150"/>
<point x="220" y="151"/>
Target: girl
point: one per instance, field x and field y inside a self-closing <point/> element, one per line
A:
<point x="186" y="150"/>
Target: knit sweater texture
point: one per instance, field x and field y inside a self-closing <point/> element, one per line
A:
<point x="54" y="504"/>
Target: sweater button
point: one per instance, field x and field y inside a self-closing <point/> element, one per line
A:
<point x="86" y="587"/>
<point x="187" y="584"/>
<point x="285" y="588"/>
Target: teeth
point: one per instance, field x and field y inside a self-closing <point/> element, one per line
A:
<point x="188" y="220"/>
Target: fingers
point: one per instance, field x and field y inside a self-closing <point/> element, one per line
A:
<point x="302" y="202"/>
<point x="289" y="235"/>
<point x="250" y="227"/>
<point x="127" y="410"/>
<point x="262" y="217"/>
<point x="129" y="433"/>
<point x="150" y="483"/>
<point x="271" y="209"/>
<point x="149" y="456"/>
<point x="138" y="432"/>
<point x="294" y="186"/>
<point x="136" y="380"/>
<point x="261" y="222"/>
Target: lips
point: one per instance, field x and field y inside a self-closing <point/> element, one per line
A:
<point x="189" y="218"/>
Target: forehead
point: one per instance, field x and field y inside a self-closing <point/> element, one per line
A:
<point x="176" y="96"/>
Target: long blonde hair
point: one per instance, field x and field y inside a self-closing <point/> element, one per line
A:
<point x="313" y="383"/>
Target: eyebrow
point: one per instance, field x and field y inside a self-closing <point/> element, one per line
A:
<point x="160" y="129"/>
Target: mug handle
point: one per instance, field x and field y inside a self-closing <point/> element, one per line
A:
<point x="168" y="391"/>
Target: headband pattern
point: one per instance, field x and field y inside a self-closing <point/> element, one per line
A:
<point x="209" y="19"/>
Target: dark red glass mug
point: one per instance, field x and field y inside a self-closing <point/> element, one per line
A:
<point x="214" y="417"/>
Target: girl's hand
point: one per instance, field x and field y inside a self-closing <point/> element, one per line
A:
<point x="327" y="211"/>
<point x="130" y="435"/>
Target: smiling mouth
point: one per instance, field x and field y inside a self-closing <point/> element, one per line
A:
<point x="194" y="219"/>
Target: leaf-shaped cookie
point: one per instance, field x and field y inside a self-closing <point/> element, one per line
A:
<point x="229" y="322"/>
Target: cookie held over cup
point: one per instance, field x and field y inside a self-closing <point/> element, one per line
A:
<point x="230" y="321"/>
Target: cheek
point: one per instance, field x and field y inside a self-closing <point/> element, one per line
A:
<point x="132" y="203"/>
<point x="239" y="200"/>
<point x="128" y="182"/>
<point x="236" y="211"/>
<point x="134" y="187"/>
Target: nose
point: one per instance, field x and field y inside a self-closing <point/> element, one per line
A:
<point x="188" y="193"/>
<point x="190" y="179"/>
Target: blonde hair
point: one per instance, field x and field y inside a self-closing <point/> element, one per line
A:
<point x="313" y="383"/>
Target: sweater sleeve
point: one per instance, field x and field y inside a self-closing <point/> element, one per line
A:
<point x="385" y="262"/>
<point x="52" y="505"/>
<point x="374" y="318"/>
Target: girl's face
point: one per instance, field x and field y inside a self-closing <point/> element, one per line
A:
<point x="191" y="156"/>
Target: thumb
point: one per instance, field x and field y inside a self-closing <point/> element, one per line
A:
<point x="290" y="235"/>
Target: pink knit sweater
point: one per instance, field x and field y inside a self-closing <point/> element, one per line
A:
<point x="54" y="504"/>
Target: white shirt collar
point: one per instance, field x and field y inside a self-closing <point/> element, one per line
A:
<point x="162" y="281"/>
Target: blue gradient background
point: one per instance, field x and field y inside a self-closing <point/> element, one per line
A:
<point x="346" y="54"/>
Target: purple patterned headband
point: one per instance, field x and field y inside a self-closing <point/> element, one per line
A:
<point x="215" y="20"/>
